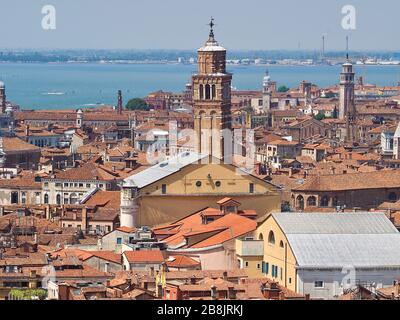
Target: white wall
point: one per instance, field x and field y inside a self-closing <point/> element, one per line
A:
<point x="334" y="281"/>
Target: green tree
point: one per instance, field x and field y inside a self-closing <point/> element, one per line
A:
<point x="320" y="116"/>
<point x="283" y="89"/>
<point x="137" y="104"/>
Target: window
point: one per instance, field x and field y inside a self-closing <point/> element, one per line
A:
<point x="300" y="202"/>
<point x="251" y="187"/>
<point x="46" y="198"/>
<point x="247" y="264"/>
<point x="324" y="201"/>
<point x="58" y="184"/>
<point x="264" y="267"/>
<point x="14" y="197"/>
<point x="46" y="184"/>
<point x="87" y="185"/>
<point x="58" y="199"/>
<point x="163" y="188"/>
<point x="198" y="183"/>
<point x="208" y="92"/>
<point x="23" y="197"/>
<point x="281" y="244"/>
<point x="65" y="184"/>
<point x="258" y="266"/>
<point x="311" y="201"/>
<point x="218" y="184"/>
<point x="81" y="185"/>
<point x="318" y="284"/>
<point x="119" y="240"/>
<point x="37" y="197"/>
<point x="73" y="198"/>
<point x="290" y="280"/>
<point x="392" y="196"/>
<point x="260" y="236"/>
<point x="335" y="201"/>
<point x="271" y="237"/>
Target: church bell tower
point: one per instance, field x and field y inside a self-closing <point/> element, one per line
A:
<point x="212" y="99"/>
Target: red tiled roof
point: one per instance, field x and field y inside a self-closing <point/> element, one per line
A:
<point x="144" y="256"/>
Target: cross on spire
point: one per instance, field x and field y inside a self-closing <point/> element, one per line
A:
<point x="211" y="24"/>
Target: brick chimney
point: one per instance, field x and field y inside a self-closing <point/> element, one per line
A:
<point x="84" y="219"/>
<point x="214" y="292"/>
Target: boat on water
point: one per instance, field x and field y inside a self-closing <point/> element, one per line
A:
<point x="53" y="93"/>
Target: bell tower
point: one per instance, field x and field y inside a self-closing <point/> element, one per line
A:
<point x="212" y="99"/>
<point x="347" y="108"/>
<point x="3" y="102"/>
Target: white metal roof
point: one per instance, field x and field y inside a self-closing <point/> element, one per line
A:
<point x="335" y="223"/>
<point x="163" y="169"/>
<point x="337" y="240"/>
<point x="344" y="250"/>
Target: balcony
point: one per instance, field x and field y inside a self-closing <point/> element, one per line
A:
<point x="248" y="247"/>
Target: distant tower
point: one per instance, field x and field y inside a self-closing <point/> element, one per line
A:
<point x="347" y="109"/>
<point x="2" y="153"/>
<point x="212" y="98"/>
<point x="79" y="118"/>
<point x="129" y="206"/>
<point x="119" y="106"/>
<point x="396" y="143"/>
<point x="2" y="97"/>
<point x="267" y="92"/>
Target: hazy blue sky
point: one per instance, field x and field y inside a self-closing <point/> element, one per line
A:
<point x="181" y="24"/>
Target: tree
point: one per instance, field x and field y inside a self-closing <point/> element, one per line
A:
<point x="283" y="89"/>
<point x="320" y="116"/>
<point x="137" y="104"/>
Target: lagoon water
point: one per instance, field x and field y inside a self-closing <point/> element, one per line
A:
<point x="71" y="85"/>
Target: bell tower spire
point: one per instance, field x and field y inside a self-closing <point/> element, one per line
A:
<point x="212" y="98"/>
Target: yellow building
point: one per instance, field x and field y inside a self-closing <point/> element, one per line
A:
<point x="323" y="254"/>
<point x="189" y="182"/>
<point x="250" y="254"/>
<point x="279" y="262"/>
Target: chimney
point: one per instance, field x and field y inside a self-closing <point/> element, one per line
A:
<point x="48" y="215"/>
<point x="84" y="219"/>
<point x="213" y="292"/>
<point x="231" y="293"/>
